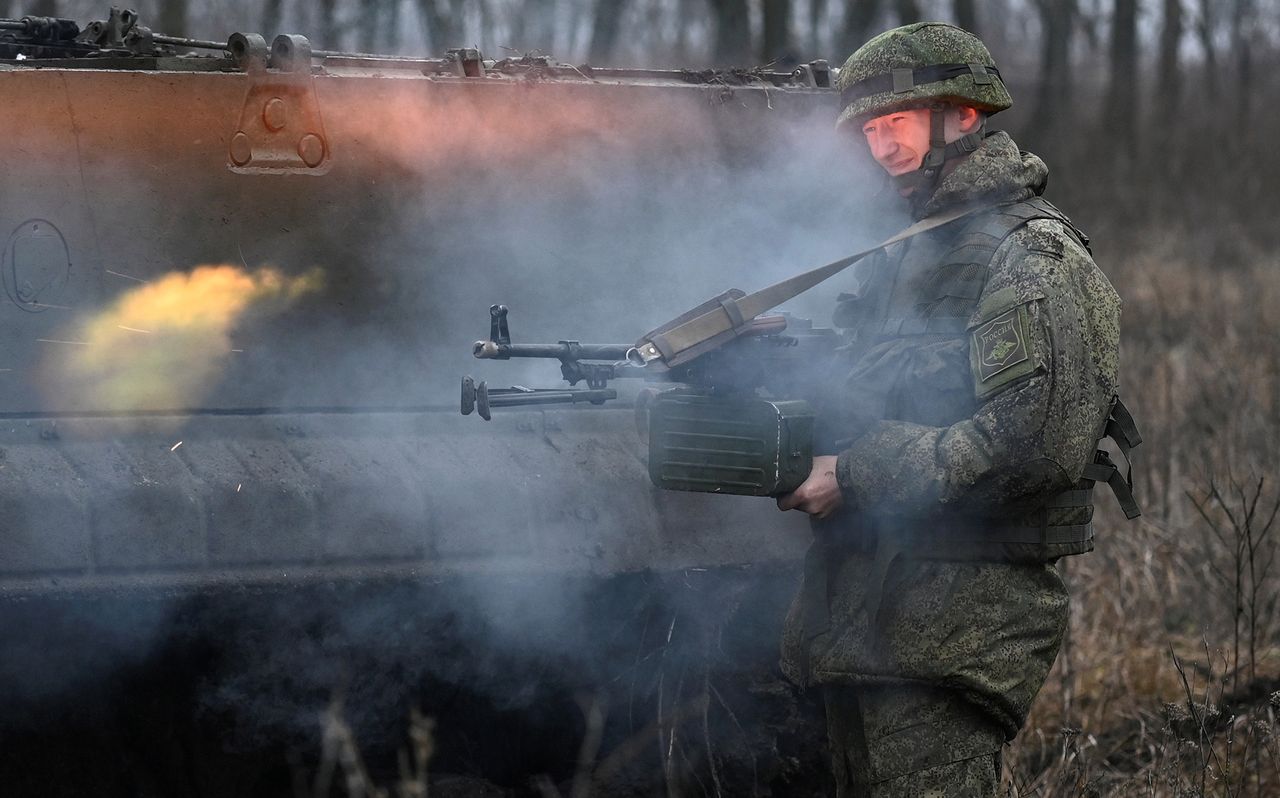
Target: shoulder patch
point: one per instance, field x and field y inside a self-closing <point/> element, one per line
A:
<point x="1000" y="343"/>
<point x="1000" y="351"/>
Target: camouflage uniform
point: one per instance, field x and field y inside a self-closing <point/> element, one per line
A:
<point x="982" y="368"/>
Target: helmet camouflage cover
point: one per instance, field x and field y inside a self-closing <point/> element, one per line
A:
<point x="915" y="66"/>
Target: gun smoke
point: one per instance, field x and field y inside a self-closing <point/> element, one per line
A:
<point x="591" y="218"/>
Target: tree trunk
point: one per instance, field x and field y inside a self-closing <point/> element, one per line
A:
<point x="1053" y="95"/>
<point x="604" y="30"/>
<point x="531" y="27"/>
<point x="327" y="30"/>
<point x="443" y="22"/>
<point x="1122" y="93"/>
<point x="685" y="10"/>
<point x="732" y="33"/>
<point x="369" y="26"/>
<point x="966" y="14"/>
<point x="1206" y="29"/>
<point x="859" y="16"/>
<point x="173" y="18"/>
<point x="1169" y="80"/>
<point x="390" y="28"/>
<point x="272" y="10"/>
<point x="908" y="11"/>
<point x="817" y="23"/>
<point x="776" y="39"/>
<point x="1242" y="27"/>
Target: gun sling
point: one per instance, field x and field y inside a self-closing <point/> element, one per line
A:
<point x="731" y="316"/>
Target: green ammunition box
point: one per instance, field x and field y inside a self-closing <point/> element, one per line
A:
<point x="708" y="444"/>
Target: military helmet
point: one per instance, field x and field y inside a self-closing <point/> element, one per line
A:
<point x="915" y="66"/>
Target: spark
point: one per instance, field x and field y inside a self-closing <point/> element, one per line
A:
<point x="56" y="341"/>
<point x="237" y="350"/>
<point x="133" y="329"/>
<point x="126" y="276"/>
<point x="39" y="304"/>
<point x="238" y="485"/>
<point x="174" y="447"/>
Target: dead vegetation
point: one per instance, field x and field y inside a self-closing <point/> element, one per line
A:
<point x="1167" y="684"/>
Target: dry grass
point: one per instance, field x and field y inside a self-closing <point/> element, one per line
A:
<point x="1167" y="683"/>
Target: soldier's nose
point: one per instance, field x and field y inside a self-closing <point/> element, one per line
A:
<point x="883" y="148"/>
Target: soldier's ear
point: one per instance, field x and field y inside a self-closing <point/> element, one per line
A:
<point x="970" y="118"/>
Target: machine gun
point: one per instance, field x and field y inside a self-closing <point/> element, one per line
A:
<point x="731" y="422"/>
<point x="119" y="34"/>
<point x="736" y="418"/>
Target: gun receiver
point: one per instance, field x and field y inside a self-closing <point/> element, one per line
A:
<point x="727" y="421"/>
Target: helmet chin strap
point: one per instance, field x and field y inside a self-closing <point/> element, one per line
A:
<point x="924" y="180"/>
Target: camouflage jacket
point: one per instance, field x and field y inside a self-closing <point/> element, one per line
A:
<point x="963" y="408"/>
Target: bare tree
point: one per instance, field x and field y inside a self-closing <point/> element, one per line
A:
<point x="1053" y="95"/>
<point x="173" y="18"/>
<point x="908" y="11"/>
<point x="685" y="10"/>
<point x="442" y="20"/>
<point x="272" y="11"/>
<point x="531" y="26"/>
<point x="1206" y="29"/>
<point x="604" y="29"/>
<point x="327" y="30"/>
<point x="775" y="43"/>
<point x="369" y="25"/>
<point x="732" y="32"/>
<point x="1122" y="90"/>
<point x="859" y="16"/>
<point x="966" y="14"/>
<point x="389" y="32"/>
<point x="817" y="20"/>
<point x="1242" y="24"/>
<point x="1169" y="75"/>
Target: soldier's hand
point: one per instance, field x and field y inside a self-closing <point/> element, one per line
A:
<point x="819" y="495"/>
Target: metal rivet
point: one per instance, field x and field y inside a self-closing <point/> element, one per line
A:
<point x="275" y="114"/>
<point x="241" y="149"/>
<point x="311" y="148"/>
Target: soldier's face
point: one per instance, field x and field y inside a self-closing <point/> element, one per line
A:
<point x="898" y="141"/>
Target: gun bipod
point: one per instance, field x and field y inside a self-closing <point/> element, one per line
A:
<point x="479" y="397"/>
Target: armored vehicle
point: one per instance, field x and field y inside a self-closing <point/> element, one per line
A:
<point x="241" y="281"/>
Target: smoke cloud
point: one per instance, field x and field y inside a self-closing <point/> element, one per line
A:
<point x="595" y="213"/>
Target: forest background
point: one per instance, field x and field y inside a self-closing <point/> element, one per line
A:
<point x="1160" y="122"/>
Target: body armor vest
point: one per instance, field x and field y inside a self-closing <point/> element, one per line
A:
<point x="940" y="302"/>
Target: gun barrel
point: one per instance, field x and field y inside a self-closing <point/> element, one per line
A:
<point x="564" y="350"/>
<point x="194" y="44"/>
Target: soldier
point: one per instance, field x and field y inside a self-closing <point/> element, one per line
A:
<point x="962" y="438"/>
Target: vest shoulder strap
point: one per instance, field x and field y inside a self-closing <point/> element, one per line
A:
<point x="961" y="275"/>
